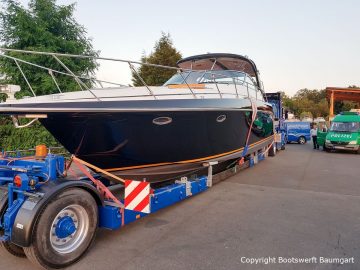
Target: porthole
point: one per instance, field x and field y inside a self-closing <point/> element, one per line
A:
<point x="221" y="118"/>
<point x="163" y="120"/>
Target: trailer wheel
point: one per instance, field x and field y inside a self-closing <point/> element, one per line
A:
<point x="64" y="230"/>
<point x="302" y="140"/>
<point x="272" y="150"/>
<point x="12" y="248"/>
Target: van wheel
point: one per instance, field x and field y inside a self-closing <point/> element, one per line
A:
<point x="302" y="140"/>
<point x="64" y="230"/>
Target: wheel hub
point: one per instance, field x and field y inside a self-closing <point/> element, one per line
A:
<point x="65" y="227"/>
<point x="69" y="229"/>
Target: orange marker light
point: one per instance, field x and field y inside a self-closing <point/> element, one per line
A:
<point x="41" y="151"/>
<point x="17" y="181"/>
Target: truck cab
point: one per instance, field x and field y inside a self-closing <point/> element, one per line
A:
<point x="344" y="133"/>
<point x="276" y="102"/>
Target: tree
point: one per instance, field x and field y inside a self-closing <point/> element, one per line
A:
<point x="314" y="95"/>
<point x="3" y="97"/>
<point x="323" y="108"/>
<point x="24" y="138"/>
<point x="43" y="26"/>
<point x="286" y="100"/>
<point x="309" y="102"/>
<point x="164" y="54"/>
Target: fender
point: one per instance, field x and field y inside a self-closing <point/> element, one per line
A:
<point x="29" y="212"/>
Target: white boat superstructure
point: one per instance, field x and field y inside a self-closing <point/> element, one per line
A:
<point x="189" y="82"/>
<point x="209" y="91"/>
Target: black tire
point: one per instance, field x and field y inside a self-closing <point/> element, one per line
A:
<point x="302" y="140"/>
<point x="326" y="149"/>
<point x="12" y="248"/>
<point x="42" y="251"/>
<point x="283" y="147"/>
<point x="272" y="150"/>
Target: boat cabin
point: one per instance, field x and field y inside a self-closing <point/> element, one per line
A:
<point x="219" y="68"/>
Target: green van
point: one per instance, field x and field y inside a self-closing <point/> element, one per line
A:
<point x="344" y="133"/>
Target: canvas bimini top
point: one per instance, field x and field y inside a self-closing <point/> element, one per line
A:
<point x="221" y="61"/>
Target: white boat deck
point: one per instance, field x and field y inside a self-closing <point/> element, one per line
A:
<point x="209" y="91"/>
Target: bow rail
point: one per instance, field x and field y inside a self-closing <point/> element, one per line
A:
<point x="80" y="79"/>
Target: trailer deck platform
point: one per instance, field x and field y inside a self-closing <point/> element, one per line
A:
<point x="303" y="203"/>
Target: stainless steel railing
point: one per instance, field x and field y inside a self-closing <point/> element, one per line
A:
<point x="216" y="76"/>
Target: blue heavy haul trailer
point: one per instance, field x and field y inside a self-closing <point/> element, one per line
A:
<point x="50" y="207"/>
<point x="275" y="100"/>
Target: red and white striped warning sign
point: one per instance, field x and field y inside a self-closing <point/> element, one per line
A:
<point x="137" y="196"/>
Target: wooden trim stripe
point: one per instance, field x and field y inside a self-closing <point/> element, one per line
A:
<point x="187" y="161"/>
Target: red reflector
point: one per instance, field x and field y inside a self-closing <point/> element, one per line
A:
<point x="17" y="181"/>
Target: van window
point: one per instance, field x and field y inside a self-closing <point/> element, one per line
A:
<point x="345" y="126"/>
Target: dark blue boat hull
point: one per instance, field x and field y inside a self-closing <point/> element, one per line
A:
<point x="122" y="136"/>
<point x="130" y="139"/>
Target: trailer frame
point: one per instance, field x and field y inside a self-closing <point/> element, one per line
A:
<point x="28" y="185"/>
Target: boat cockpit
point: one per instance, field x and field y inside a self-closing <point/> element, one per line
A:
<point x="219" y="68"/>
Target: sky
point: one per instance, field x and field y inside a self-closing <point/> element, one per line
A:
<point x="295" y="44"/>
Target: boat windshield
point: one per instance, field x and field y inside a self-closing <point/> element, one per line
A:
<point x="345" y="126"/>
<point x="211" y="76"/>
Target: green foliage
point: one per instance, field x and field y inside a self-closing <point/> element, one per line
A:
<point x="164" y="54"/>
<point x="307" y="102"/>
<point x="43" y="26"/>
<point x="24" y="138"/>
<point x="3" y="97"/>
<point x="343" y="106"/>
<point x="306" y="114"/>
<point x="313" y="95"/>
<point x="313" y="103"/>
<point x="286" y="100"/>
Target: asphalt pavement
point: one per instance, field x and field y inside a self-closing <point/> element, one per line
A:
<point x="303" y="203"/>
